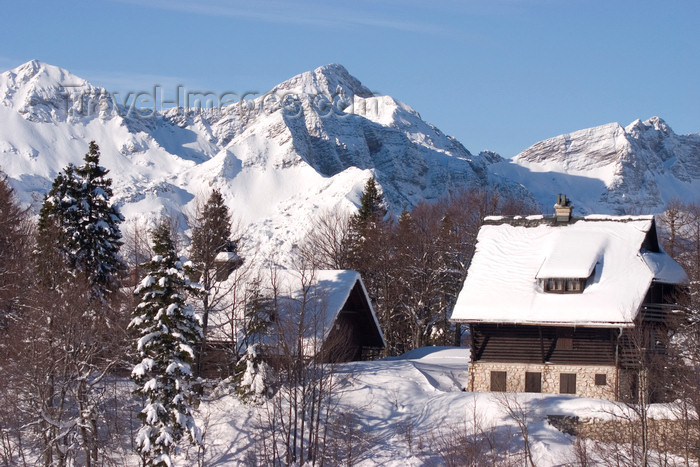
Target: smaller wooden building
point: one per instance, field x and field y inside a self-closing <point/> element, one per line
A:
<point x="325" y="315"/>
<point x="568" y="305"/>
<point x="327" y="312"/>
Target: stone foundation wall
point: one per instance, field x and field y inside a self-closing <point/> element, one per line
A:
<point x="480" y="378"/>
<point x="676" y="436"/>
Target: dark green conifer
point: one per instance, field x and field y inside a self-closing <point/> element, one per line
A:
<point x="168" y="335"/>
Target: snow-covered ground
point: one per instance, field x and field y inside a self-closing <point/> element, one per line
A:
<point x="407" y="408"/>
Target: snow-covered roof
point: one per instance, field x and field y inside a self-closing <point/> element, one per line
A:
<point x="559" y="261"/>
<point x="321" y="294"/>
<point x="502" y="284"/>
<point x="227" y="256"/>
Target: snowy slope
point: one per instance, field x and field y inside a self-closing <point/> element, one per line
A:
<point x="403" y="410"/>
<point x="611" y="169"/>
<point x="307" y="145"/>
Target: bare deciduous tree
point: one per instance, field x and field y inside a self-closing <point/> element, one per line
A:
<point x="327" y="243"/>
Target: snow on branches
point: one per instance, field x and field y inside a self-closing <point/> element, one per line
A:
<point x="78" y="220"/>
<point x="168" y="331"/>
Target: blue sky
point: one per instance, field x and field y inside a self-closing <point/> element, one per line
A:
<point x="496" y="74"/>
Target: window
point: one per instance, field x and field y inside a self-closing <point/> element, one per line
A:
<point x="533" y="382"/>
<point x="567" y="383"/>
<point x="565" y="343"/>
<point x="563" y="285"/>
<point x="601" y="379"/>
<point x="498" y="381"/>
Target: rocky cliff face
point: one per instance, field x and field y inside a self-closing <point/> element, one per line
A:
<point x="610" y="168"/>
<point x="306" y="146"/>
<point x="309" y="145"/>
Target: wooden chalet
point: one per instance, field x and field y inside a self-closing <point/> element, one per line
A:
<point x="326" y="312"/>
<point x="568" y="305"/>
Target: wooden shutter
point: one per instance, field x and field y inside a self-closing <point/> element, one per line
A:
<point x="565" y="343"/>
<point x="567" y="383"/>
<point x="498" y="381"/>
<point x="533" y="382"/>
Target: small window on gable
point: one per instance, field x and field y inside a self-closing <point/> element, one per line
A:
<point x="601" y="379"/>
<point x="563" y="285"/>
<point x="573" y="285"/>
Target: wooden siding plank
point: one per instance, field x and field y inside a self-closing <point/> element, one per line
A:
<point x="524" y="344"/>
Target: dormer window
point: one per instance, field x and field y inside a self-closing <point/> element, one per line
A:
<point x="562" y="285"/>
<point x="570" y="262"/>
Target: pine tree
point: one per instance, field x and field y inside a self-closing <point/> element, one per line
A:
<point x="211" y="235"/>
<point x="370" y="203"/>
<point x="77" y="262"/>
<point x="95" y="236"/>
<point x="212" y="231"/>
<point x="168" y="333"/>
<point x="364" y="224"/>
<point x="78" y="221"/>
<point x="52" y="240"/>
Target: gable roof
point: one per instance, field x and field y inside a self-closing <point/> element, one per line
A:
<point x="619" y="255"/>
<point x="321" y="295"/>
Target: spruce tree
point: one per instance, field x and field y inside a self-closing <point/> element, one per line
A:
<point x="168" y="334"/>
<point x="77" y="264"/>
<point x="56" y="212"/>
<point x="95" y="236"/>
<point x="211" y="235"/>
<point x="212" y="231"/>
<point x="79" y="222"/>
<point x="364" y="225"/>
<point x="370" y="203"/>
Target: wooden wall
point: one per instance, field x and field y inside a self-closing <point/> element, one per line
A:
<point x="540" y="344"/>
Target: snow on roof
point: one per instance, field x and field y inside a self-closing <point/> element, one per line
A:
<point x="321" y="294"/>
<point x="226" y="256"/>
<point x="665" y="269"/>
<point x="502" y="284"/>
<point x="572" y="255"/>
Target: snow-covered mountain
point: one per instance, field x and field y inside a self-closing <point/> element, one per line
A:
<point x="611" y="169"/>
<point x="307" y="145"/>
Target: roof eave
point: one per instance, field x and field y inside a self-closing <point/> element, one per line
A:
<point x="582" y="324"/>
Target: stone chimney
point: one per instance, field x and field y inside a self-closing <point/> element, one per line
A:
<point x="563" y="208"/>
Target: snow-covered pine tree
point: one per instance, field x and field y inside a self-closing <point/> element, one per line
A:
<point x="78" y="220"/>
<point x="56" y="211"/>
<point x="168" y="333"/>
<point x="68" y="297"/>
<point x="211" y="233"/>
<point x="95" y="235"/>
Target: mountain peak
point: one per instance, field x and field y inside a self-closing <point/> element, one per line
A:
<point x="327" y="79"/>
<point x="651" y="128"/>
<point x="44" y="92"/>
<point x="658" y="124"/>
<point x="31" y="67"/>
<point x="43" y="75"/>
<point x="611" y="169"/>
